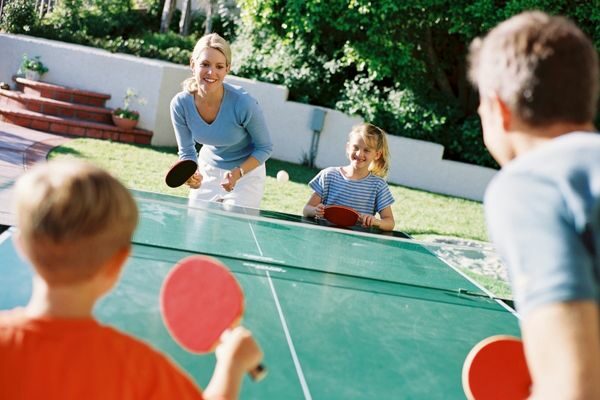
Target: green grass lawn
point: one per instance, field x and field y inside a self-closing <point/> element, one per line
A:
<point x="418" y="213"/>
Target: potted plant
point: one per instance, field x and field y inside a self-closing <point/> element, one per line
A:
<point x="33" y="67"/>
<point x="124" y="117"/>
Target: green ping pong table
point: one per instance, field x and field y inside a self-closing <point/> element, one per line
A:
<point x="340" y="314"/>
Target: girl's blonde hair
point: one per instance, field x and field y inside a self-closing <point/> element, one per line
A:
<point x="375" y="138"/>
<point x="210" y="41"/>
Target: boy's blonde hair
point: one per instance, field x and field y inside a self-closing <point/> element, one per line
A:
<point x="543" y="67"/>
<point x="72" y="218"/>
<point x="375" y="138"/>
<point x="210" y="41"/>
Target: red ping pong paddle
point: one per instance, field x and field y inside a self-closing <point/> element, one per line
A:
<point x="199" y="300"/>
<point x="496" y="368"/>
<point x="180" y="172"/>
<point x="341" y="215"/>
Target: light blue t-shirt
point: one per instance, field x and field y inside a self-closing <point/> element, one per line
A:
<point x="543" y="215"/>
<point x="369" y="195"/>
<point x="239" y="130"/>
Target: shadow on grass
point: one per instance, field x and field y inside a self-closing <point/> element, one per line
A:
<point x="64" y="150"/>
<point x="169" y="150"/>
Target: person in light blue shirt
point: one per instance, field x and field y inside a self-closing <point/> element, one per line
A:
<point x="229" y="124"/>
<point x="538" y="82"/>
<point x="360" y="184"/>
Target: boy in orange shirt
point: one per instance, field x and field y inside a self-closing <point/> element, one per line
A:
<point x="75" y="227"/>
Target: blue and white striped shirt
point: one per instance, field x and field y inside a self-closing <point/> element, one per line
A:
<point x="369" y="195"/>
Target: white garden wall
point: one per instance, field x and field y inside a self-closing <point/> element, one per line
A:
<point x="415" y="163"/>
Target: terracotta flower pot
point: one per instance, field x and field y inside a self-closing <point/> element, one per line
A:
<point x="124" y="123"/>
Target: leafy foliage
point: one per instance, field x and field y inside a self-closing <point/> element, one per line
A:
<point x="223" y="21"/>
<point x="115" y="25"/>
<point x="98" y="18"/>
<point x="19" y="16"/>
<point x="126" y="112"/>
<point x="400" y="65"/>
<point x="288" y="63"/>
<point x="166" y="46"/>
<point x="33" y="64"/>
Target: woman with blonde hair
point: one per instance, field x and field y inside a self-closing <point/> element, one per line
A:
<point x="228" y="123"/>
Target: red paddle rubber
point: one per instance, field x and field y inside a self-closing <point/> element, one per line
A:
<point x="341" y="215"/>
<point x="496" y="368"/>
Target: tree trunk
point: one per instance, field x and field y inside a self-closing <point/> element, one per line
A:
<point x="432" y="60"/>
<point x="43" y="7"/>
<point x="167" y="14"/>
<point x="464" y="89"/>
<point x="209" y="13"/>
<point x="186" y="17"/>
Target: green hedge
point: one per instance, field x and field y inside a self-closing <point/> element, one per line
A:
<point x="400" y="65"/>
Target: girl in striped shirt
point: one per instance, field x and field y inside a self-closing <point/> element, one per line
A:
<point x="360" y="184"/>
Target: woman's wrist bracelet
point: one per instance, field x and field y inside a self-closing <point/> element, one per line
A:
<point x="242" y="172"/>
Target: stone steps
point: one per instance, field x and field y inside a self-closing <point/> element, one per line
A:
<point x="64" y="111"/>
<point x="61" y="93"/>
<point x="73" y="127"/>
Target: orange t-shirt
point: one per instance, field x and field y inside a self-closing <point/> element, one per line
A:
<point x="59" y="358"/>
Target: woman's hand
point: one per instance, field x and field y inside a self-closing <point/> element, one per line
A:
<point x="231" y="179"/>
<point x="195" y="180"/>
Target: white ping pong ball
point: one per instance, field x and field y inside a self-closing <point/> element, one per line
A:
<point x="282" y="176"/>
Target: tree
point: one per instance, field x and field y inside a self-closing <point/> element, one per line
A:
<point x="399" y="64"/>
<point x="167" y="15"/>
<point x="210" y="6"/>
<point x="186" y="16"/>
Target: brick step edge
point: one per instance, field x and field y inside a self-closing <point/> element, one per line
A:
<point x="70" y="127"/>
<point x="20" y="100"/>
<point x="62" y="93"/>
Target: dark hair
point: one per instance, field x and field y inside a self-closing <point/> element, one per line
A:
<point x="542" y="66"/>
